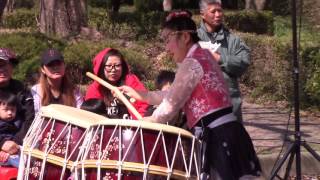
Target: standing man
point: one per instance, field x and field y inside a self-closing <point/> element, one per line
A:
<point x="25" y="108"/>
<point x="233" y="56"/>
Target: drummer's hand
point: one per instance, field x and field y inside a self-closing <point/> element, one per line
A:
<point x="216" y="56"/>
<point x="4" y="156"/>
<point x="148" y="119"/>
<point x="129" y="91"/>
<point x="10" y="147"/>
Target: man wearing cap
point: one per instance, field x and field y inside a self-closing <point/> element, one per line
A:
<point x="233" y="56"/>
<point x="25" y="110"/>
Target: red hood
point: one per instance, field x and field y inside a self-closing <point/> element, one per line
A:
<point x="94" y="90"/>
<point x="97" y="60"/>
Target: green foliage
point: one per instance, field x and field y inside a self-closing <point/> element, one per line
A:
<point x="78" y="56"/>
<point x="309" y="43"/>
<point x="250" y="21"/>
<point x="282" y="28"/>
<point x="147" y="5"/>
<point x="139" y="64"/>
<point x="126" y="24"/>
<point x="281" y="7"/>
<point x="148" y="24"/>
<point x="20" y="18"/>
<point x="185" y="4"/>
<point x="98" y="3"/>
<point x="269" y="73"/>
<point x="105" y="3"/>
<point x="24" y="4"/>
<point x="27" y="47"/>
<point x="310" y="78"/>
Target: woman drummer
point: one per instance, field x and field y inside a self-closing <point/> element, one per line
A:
<point x="200" y="90"/>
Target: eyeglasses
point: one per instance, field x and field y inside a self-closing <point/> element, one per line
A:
<point x="165" y="38"/>
<point x="109" y="67"/>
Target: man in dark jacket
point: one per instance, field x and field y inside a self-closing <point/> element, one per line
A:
<point x="233" y="56"/>
<point x="25" y="109"/>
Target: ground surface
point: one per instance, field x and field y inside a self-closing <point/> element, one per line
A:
<point x="267" y="126"/>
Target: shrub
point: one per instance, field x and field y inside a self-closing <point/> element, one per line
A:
<point x="77" y="56"/>
<point x="24" y="4"/>
<point x="281" y="7"/>
<point x="142" y="25"/>
<point x="185" y="4"/>
<point x="20" y="18"/>
<point x="98" y="3"/>
<point x="147" y="25"/>
<point x="246" y="21"/>
<point x="126" y="24"/>
<point x="269" y="72"/>
<point x="28" y="47"/>
<point x="250" y="21"/>
<point x="310" y="76"/>
<point x="147" y="5"/>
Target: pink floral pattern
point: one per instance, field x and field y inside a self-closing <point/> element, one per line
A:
<point x="198" y="88"/>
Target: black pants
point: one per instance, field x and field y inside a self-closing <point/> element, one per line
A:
<point x="230" y="152"/>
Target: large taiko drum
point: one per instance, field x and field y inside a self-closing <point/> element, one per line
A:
<point x="66" y="142"/>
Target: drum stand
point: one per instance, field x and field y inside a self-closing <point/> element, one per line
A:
<point x="294" y="148"/>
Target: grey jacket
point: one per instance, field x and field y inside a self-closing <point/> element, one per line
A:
<point x="235" y="59"/>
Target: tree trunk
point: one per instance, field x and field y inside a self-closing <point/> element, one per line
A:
<point x="10" y="6"/>
<point x="258" y="5"/>
<point x="62" y="17"/>
<point x="6" y="6"/>
<point x="2" y="7"/>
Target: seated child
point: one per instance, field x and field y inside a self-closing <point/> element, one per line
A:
<point x="94" y="105"/>
<point x="163" y="83"/>
<point x="9" y="126"/>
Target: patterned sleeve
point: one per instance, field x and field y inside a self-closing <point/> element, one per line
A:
<point x="155" y="97"/>
<point x="78" y="98"/>
<point x="36" y="98"/>
<point x="187" y="77"/>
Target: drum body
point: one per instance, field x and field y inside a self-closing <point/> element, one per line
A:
<point x="88" y="146"/>
<point x="55" y="138"/>
<point x="137" y="152"/>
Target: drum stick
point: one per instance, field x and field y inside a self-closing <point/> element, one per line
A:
<point x="118" y="93"/>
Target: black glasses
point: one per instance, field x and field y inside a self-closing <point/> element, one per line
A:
<point x="112" y="66"/>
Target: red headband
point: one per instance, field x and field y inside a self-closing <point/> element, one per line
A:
<point x="177" y="14"/>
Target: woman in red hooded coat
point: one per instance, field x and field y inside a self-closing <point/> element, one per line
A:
<point x="109" y="64"/>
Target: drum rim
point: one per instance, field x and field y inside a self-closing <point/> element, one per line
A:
<point x="88" y="119"/>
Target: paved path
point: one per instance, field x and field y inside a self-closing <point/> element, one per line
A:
<point x="268" y="127"/>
